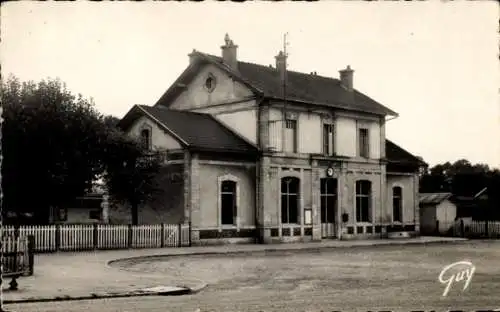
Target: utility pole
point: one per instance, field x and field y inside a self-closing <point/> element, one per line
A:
<point x="282" y="120"/>
<point x="285" y="44"/>
<point x="284" y="82"/>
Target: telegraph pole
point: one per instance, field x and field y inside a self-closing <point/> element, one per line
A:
<point x="285" y="44"/>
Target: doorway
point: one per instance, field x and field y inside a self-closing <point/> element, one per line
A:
<point x="328" y="207"/>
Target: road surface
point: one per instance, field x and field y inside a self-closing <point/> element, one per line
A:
<point x="385" y="278"/>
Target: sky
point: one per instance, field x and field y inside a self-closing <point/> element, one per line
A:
<point x="433" y="62"/>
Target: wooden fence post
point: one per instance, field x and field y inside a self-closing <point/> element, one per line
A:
<point x="189" y="233"/>
<point x="58" y="237"/>
<point x="95" y="235"/>
<point x="486" y="227"/>
<point x="462" y="227"/>
<point x="130" y="236"/>
<point x="16" y="230"/>
<point x="31" y="253"/>
<point x="180" y="234"/>
<point x="162" y="238"/>
<point x="1" y="283"/>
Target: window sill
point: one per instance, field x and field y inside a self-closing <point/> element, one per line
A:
<point x="228" y="226"/>
<point x="364" y="223"/>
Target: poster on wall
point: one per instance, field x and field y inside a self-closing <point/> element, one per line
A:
<point x="308" y="216"/>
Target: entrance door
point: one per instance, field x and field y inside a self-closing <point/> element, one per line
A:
<point x="328" y="207"/>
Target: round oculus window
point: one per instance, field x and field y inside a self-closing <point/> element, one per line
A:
<point x="210" y="83"/>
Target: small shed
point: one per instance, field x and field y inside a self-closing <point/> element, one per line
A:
<point x="437" y="213"/>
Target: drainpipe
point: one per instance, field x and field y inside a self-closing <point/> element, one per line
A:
<point x="382" y="187"/>
<point x="414" y="204"/>
<point x="258" y="176"/>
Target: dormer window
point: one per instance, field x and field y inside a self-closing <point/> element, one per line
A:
<point x="210" y="83"/>
<point x="146" y="139"/>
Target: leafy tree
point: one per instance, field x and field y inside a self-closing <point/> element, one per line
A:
<point x="51" y="145"/>
<point x="462" y="178"/>
<point x="55" y="144"/>
<point x="111" y="121"/>
<point x="132" y="176"/>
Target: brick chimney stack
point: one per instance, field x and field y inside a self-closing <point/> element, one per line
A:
<point x="281" y="65"/>
<point x="229" y="53"/>
<point x="192" y="56"/>
<point x="346" y="78"/>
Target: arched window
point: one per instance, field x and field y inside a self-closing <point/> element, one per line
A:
<point x="363" y="201"/>
<point x="146" y="139"/>
<point x="397" y="204"/>
<point x="290" y="200"/>
<point x="228" y="202"/>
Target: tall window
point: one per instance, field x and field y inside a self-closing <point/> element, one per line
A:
<point x="289" y="200"/>
<point x="328" y="139"/>
<point x="364" y="146"/>
<point x="290" y="136"/>
<point x="228" y="202"/>
<point x="146" y="139"/>
<point x="363" y="201"/>
<point x="397" y="204"/>
<point x="328" y="187"/>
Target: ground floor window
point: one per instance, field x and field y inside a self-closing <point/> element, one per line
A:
<point x="228" y="202"/>
<point x="363" y="201"/>
<point x="397" y="204"/>
<point x="328" y="194"/>
<point x="289" y="199"/>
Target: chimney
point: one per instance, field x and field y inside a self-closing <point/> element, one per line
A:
<point x="229" y="55"/>
<point x="281" y="65"/>
<point x="192" y="56"/>
<point x="346" y="78"/>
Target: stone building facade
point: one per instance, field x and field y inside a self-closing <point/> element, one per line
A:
<point x="270" y="155"/>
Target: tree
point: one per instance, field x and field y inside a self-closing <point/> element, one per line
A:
<point x="52" y="143"/>
<point x="111" y="121"/>
<point x="56" y="144"/>
<point x="132" y="176"/>
<point x="462" y="178"/>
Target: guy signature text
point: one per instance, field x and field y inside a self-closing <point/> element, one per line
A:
<point x="464" y="270"/>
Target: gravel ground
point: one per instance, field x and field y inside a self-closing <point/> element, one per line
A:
<point x="397" y="278"/>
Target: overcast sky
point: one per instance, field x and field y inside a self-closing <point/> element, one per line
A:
<point x="434" y="63"/>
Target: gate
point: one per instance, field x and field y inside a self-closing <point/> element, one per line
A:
<point x="17" y="255"/>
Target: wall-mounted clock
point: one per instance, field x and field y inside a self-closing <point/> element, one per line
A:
<point x="329" y="172"/>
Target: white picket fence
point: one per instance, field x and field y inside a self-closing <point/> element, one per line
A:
<point x="466" y="228"/>
<point x="75" y="237"/>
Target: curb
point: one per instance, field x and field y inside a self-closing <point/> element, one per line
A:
<point x="308" y="248"/>
<point x="180" y="292"/>
<point x="197" y="288"/>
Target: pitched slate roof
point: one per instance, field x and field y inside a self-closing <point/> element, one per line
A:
<point x="301" y="87"/>
<point x="395" y="154"/>
<point x="433" y="198"/>
<point x="194" y="130"/>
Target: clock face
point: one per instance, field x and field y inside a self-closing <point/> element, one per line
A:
<point x="329" y="172"/>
